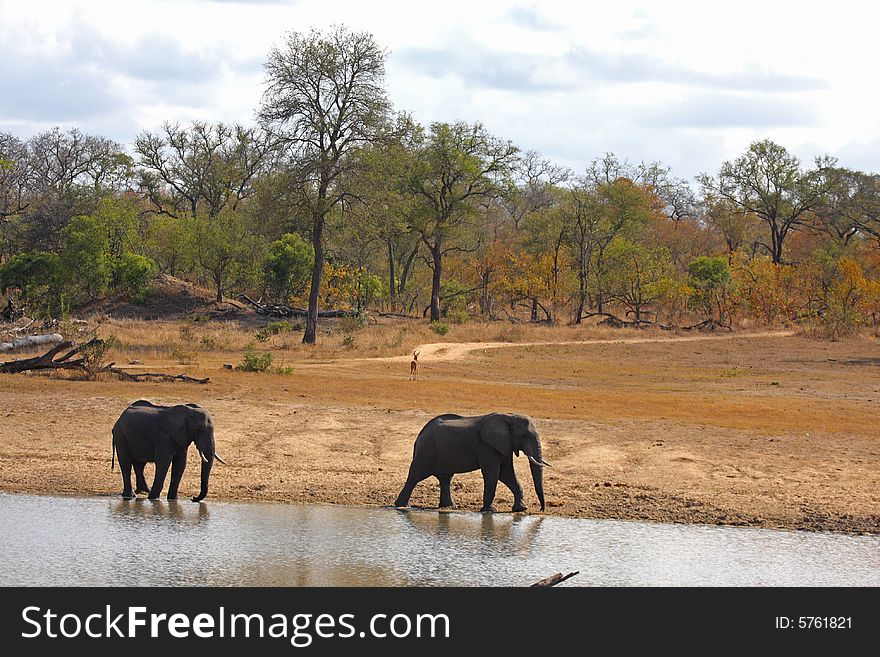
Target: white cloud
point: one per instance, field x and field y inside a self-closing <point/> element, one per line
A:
<point x="688" y="83"/>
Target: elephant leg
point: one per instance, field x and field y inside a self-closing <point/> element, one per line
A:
<point x="140" y="482"/>
<point x="490" y="483"/>
<point x="445" y="490"/>
<point x="159" y="479"/>
<point x="178" y="465"/>
<point x="412" y="481"/>
<point x="125" y="469"/>
<point x="508" y="478"/>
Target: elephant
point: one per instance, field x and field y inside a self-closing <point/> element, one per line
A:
<point x="452" y="443"/>
<point x="148" y="433"/>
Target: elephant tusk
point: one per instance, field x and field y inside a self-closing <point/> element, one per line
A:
<point x="535" y="461"/>
<point x="545" y="463"/>
<point x="216" y="456"/>
<point x="203" y="456"/>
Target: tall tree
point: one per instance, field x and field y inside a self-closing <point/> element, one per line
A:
<point x="324" y="96"/>
<point x="768" y="182"/>
<point x="457" y="167"/>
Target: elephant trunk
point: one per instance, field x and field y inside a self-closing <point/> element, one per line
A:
<point x="207" y="455"/>
<point x="536" y="466"/>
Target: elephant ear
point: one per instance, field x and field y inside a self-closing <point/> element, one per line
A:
<point x="174" y="421"/>
<point x="495" y="431"/>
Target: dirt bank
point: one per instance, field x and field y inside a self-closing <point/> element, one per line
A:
<point x="771" y="431"/>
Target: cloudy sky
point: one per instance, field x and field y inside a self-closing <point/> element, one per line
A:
<point x="686" y="83"/>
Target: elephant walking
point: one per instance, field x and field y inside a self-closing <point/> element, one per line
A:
<point x="147" y="433"/>
<point x="451" y="443"/>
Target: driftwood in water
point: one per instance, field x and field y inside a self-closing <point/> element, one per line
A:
<point x="75" y="360"/>
<point x="553" y="580"/>
<point x="280" y="310"/>
<point x="30" y="341"/>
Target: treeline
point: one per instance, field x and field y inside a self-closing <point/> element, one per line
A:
<point x="333" y="199"/>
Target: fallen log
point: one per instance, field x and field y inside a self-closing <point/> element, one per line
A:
<point x="48" y="361"/>
<point x="280" y="310"/>
<point x="31" y="341"/>
<point x="153" y="376"/>
<point x="553" y="580"/>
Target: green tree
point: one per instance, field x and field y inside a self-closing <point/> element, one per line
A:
<point x="37" y="277"/>
<point x="710" y="279"/>
<point x="226" y="249"/>
<point x="767" y="182"/>
<point x="456" y="168"/>
<point x="134" y="274"/>
<point x="171" y="243"/>
<point x="288" y="266"/>
<point x="638" y="276"/>
<point x="84" y="257"/>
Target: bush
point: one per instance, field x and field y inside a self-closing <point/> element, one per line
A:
<point x="348" y="340"/>
<point x="273" y="328"/>
<point x="351" y="324"/>
<point x="37" y="277"/>
<point x="253" y="361"/>
<point x="135" y="274"/>
<point x="440" y="328"/>
<point x="182" y="355"/>
<point x="458" y="316"/>
<point x="288" y="267"/>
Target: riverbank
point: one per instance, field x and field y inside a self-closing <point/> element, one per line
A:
<point x="765" y="431"/>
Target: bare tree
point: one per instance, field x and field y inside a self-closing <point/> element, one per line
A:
<point x="14" y="169"/>
<point x="324" y="96"/>
<point x="207" y="166"/>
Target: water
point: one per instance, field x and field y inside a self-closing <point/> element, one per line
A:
<point x="108" y="541"/>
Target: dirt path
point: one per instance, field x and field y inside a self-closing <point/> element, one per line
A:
<point x="450" y="351"/>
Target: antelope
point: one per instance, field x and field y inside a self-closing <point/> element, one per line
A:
<point x="414" y="366"/>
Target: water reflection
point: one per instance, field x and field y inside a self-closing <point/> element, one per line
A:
<point x="98" y="541"/>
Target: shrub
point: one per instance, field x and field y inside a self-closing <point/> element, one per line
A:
<point x="440" y="328"/>
<point x="182" y="355"/>
<point x="351" y="324"/>
<point x="93" y="354"/>
<point x="273" y="328"/>
<point x="253" y="361"/>
<point x="348" y="340"/>
<point x="211" y="344"/>
<point x="134" y="274"/>
<point x="458" y="316"/>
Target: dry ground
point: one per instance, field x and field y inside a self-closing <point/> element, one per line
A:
<point x="771" y="429"/>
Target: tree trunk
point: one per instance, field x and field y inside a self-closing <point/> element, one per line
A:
<point x="534" y="316"/>
<point x="437" y="258"/>
<point x="484" y="293"/>
<point x="406" y="269"/>
<point x="311" y="331"/>
<point x="392" y="279"/>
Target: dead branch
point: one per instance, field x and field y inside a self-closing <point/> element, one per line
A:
<point x="281" y="310"/>
<point x="553" y="580"/>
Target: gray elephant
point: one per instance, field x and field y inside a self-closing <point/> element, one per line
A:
<point x="147" y="433"/>
<point x="451" y="443"/>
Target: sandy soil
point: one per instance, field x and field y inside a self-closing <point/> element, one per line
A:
<point x="770" y="430"/>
